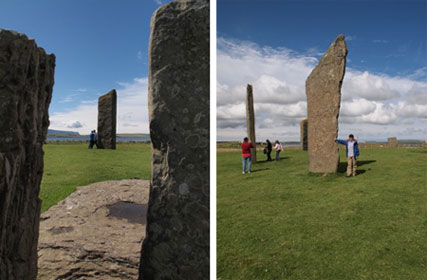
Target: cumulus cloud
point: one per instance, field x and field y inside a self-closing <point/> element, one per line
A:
<point x="132" y="111"/>
<point x="374" y="104"/>
<point x="74" y="124"/>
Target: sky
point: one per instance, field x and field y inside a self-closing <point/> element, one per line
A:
<point x="274" y="45"/>
<point x="99" y="45"/>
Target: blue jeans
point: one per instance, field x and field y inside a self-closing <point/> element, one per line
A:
<point x="277" y="155"/>
<point x="244" y="163"/>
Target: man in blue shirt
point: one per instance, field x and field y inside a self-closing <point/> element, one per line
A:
<point x="92" y="140"/>
<point x="352" y="153"/>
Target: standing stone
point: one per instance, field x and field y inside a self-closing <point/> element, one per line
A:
<point x="323" y="89"/>
<point x="107" y="120"/>
<point x="26" y="75"/>
<point x="392" y="142"/>
<point x="250" y="119"/>
<point x="177" y="237"/>
<point x="303" y="135"/>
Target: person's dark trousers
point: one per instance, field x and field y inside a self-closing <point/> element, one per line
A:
<point x="268" y="155"/>
<point x="91" y="143"/>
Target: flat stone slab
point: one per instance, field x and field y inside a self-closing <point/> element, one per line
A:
<point x="95" y="233"/>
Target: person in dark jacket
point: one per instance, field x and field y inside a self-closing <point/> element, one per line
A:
<point x="268" y="150"/>
<point x="91" y="139"/>
<point x="352" y="153"/>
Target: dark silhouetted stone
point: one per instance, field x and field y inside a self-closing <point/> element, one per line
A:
<point x="26" y="82"/>
<point x="304" y="134"/>
<point x="177" y="238"/>
<point x="250" y="120"/>
<point x="107" y="120"/>
<point x="323" y="89"/>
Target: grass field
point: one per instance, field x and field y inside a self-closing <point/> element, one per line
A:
<point x="280" y="222"/>
<point x="68" y="166"/>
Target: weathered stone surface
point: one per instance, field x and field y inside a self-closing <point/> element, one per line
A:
<point x="107" y="120"/>
<point x="392" y="142"/>
<point x="95" y="233"/>
<point x="250" y="119"/>
<point x="323" y="89"/>
<point x="304" y="135"/>
<point x="26" y="82"/>
<point x="177" y="242"/>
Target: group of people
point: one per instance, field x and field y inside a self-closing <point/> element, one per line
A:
<point x="247" y="154"/>
<point x="93" y="139"/>
<point x="277" y="147"/>
<point x="351" y="150"/>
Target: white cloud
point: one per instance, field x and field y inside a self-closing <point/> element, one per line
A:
<point x="139" y="55"/>
<point x="158" y="2"/>
<point x="132" y="111"/>
<point x="373" y="105"/>
<point x="74" y="124"/>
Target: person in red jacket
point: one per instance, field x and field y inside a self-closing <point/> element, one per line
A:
<point x="246" y="154"/>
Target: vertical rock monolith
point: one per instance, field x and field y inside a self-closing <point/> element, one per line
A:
<point x="177" y="236"/>
<point x="26" y="82"/>
<point x="250" y="119"/>
<point x="323" y="89"/>
<point x="107" y="120"/>
<point x="304" y="135"/>
<point x="392" y="142"/>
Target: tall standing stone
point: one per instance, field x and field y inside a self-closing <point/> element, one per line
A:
<point x="304" y="135"/>
<point x="250" y="119"/>
<point x="177" y="236"/>
<point x="323" y="89"/>
<point x="26" y="75"/>
<point x="107" y="120"/>
<point x="392" y="142"/>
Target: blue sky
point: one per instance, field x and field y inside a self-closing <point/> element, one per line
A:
<point x="387" y="37"/>
<point x="99" y="45"/>
<point x="276" y="44"/>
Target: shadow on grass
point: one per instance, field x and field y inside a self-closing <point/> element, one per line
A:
<point x="257" y="170"/>
<point x="265" y="161"/>
<point x="342" y="167"/>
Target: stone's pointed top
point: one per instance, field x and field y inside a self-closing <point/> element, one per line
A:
<point x="340" y="37"/>
<point x="249" y="86"/>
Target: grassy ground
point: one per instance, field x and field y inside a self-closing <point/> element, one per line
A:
<point x="68" y="166"/>
<point x="280" y="222"/>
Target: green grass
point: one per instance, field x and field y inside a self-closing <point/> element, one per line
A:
<point x="280" y="222"/>
<point x="67" y="166"/>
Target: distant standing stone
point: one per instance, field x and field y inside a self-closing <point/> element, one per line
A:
<point x="304" y="134"/>
<point x="107" y="120"/>
<point x="250" y="120"/>
<point x="27" y="77"/>
<point x="323" y="89"/>
<point x="392" y="142"/>
<point x="177" y="238"/>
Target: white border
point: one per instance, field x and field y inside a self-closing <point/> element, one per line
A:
<point x="212" y="139"/>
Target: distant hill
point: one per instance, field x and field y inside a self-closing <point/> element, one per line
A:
<point x="61" y="132"/>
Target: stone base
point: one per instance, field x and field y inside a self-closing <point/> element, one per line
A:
<point x="82" y="238"/>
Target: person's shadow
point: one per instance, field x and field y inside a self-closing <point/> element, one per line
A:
<point x="257" y="170"/>
<point x="272" y="160"/>
<point x="342" y="167"/>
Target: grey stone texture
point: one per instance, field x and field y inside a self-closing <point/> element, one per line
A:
<point x="392" y="142"/>
<point x="177" y="237"/>
<point x="250" y="119"/>
<point x="304" y="135"/>
<point x="82" y="238"/>
<point x="26" y="82"/>
<point x="107" y="120"/>
<point x="323" y="89"/>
